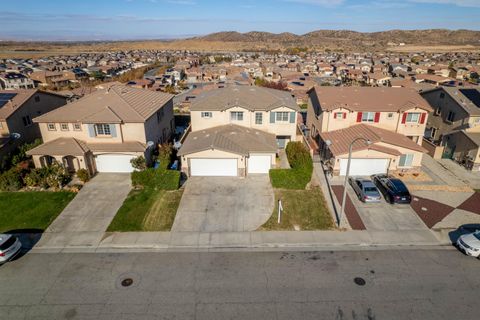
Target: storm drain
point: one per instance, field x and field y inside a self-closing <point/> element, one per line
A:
<point x="127" y="282"/>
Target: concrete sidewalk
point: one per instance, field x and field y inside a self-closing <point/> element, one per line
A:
<point x="265" y="240"/>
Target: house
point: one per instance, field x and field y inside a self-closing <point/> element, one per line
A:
<point x="17" y="109"/>
<point x="104" y="130"/>
<point x="15" y="81"/>
<point x="237" y="131"/>
<point x="455" y="123"/>
<point x="49" y="78"/>
<point x="393" y="119"/>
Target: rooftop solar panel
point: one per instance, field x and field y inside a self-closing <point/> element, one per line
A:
<point x="472" y="95"/>
<point x="5" y="97"/>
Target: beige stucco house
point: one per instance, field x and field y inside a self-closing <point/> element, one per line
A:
<point x="237" y="131"/>
<point x="393" y="119"/>
<point x="103" y="131"/>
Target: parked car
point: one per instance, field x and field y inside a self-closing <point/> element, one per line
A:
<point x="393" y="189"/>
<point x="365" y="190"/>
<point x="470" y="244"/>
<point x="9" y="247"/>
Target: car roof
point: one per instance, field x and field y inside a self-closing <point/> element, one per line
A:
<point x="4" y="237"/>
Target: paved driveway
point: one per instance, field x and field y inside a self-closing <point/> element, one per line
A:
<point x="95" y="205"/>
<point x="225" y="204"/>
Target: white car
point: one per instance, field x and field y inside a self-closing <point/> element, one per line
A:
<point x="470" y="244"/>
<point x="9" y="247"/>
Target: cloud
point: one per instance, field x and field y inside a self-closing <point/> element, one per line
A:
<point x="460" y="3"/>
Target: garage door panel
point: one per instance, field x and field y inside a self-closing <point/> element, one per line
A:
<point x="364" y="167"/>
<point x="114" y="163"/>
<point x="259" y="163"/>
<point x="213" y="167"/>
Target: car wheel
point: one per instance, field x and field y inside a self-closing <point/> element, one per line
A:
<point x="390" y="199"/>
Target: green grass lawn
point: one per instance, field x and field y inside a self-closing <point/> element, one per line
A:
<point x="147" y="210"/>
<point x="304" y="209"/>
<point x="31" y="210"/>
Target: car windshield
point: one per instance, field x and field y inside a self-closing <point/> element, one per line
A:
<point x="477" y="235"/>
<point x="399" y="186"/>
<point x="370" y="189"/>
<point x="7" y="244"/>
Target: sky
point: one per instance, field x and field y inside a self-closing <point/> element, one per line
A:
<point x="164" y="19"/>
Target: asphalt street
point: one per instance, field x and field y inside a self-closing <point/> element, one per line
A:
<point x="435" y="283"/>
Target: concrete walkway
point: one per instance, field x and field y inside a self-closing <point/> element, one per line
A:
<point x="282" y="155"/>
<point x="85" y="219"/>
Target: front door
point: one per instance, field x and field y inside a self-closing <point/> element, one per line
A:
<point x="282" y="141"/>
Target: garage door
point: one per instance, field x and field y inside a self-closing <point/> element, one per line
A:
<point x="213" y="167"/>
<point x="114" y="163"/>
<point x="364" y="167"/>
<point x="259" y="163"/>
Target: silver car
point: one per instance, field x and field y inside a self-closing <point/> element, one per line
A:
<point x="9" y="247"/>
<point x="365" y="189"/>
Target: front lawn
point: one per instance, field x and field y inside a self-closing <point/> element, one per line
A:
<point x="31" y="210"/>
<point x="302" y="210"/>
<point x="147" y="210"/>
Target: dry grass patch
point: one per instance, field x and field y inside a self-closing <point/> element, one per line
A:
<point x="161" y="215"/>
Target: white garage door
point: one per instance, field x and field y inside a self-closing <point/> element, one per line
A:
<point x="259" y="164"/>
<point x="364" y="167"/>
<point x="213" y="167"/>
<point x="114" y="163"/>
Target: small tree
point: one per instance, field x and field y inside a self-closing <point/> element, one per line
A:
<point x="139" y="163"/>
<point x="83" y="175"/>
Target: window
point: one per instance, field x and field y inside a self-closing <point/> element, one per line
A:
<point x="51" y="127"/>
<point x="27" y="121"/>
<point x="368" y="116"/>
<point x="438" y="111"/>
<point x="258" y="118"/>
<point x="102" y="129"/>
<point x="281" y="116"/>
<point x="236" y="116"/>
<point x="442" y="95"/>
<point x="77" y="127"/>
<point x="413" y="117"/>
<point x="451" y="116"/>
<point x="160" y="114"/>
<point x="206" y="114"/>
<point x="405" y="160"/>
<point x="37" y="98"/>
<point x="338" y="115"/>
<point x="64" y="126"/>
<point x="390" y="115"/>
<point x="433" y="132"/>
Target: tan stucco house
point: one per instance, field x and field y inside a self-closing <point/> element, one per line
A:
<point x="393" y="119"/>
<point x="237" y="131"/>
<point x="104" y="130"/>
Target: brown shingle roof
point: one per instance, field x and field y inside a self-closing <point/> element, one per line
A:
<point x="61" y="146"/>
<point x="342" y="138"/>
<point x="369" y="98"/>
<point x="229" y="138"/>
<point x="117" y="103"/>
<point x="249" y="97"/>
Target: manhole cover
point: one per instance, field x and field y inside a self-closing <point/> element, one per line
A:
<point x="359" y="281"/>
<point x="127" y="282"/>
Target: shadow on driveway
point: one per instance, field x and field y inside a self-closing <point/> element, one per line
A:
<point x="463" y="229"/>
<point x="28" y="237"/>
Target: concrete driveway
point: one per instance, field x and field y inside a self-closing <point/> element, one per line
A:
<point x="225" y="204"/>
<point x="95" y="205"/>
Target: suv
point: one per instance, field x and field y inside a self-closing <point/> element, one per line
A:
<point x="9" y="247"/>
<point x="393" y="189"/>
<point x="470" y="244"/>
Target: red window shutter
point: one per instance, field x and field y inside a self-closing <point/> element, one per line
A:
<point x="359" y="117"/>
<point x="404" y="118"/>
<point x="422" y="118"/>
<point x="334" y="115"/>
<point x="377" y="116"/>
<point x="344" y="115"/>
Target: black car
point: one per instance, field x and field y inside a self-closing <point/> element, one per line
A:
<point x="393" y="189"/>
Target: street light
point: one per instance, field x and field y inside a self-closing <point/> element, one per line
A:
<point x="342" y="210"/>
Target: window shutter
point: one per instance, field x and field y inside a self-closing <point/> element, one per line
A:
<point x="272" y="117"/>
<point x="91" y="130"/>
<point x="292" y="117"/>
<point x="359" y="117"/>
<point x="344" y="115"/>
<point x="377" y="116"/>
<point x="334" y="115"/>
<point x="113" y="130"/>
<point x="422" y="118"/>
<point x="404" y="118"/>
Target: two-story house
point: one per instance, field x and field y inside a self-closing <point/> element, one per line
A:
<point x="238" y="130"/>
<point x="15" y="81"/>
<point x="392" y="119"/>
<point x="104" y="130"/>
<point x="455" y="123"/>
<point x="17" y="109"/>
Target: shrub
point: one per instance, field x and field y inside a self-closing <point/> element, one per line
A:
<point x="11" y="180"/>
<point x="34" y="178"/>
<point x="156" y="178"/>
<point x="301" y="172"/>
<point x="139" y="163"/>
<point x="83" y="175"/>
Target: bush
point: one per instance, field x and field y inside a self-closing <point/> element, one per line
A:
<point x="83" y="175"/>
<point x="156" y="178"/>
<point x="139" y="163"/>
<point x="54" y="176"/>
<point x="11" y="180"/>
<point x="300" y="174"/>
